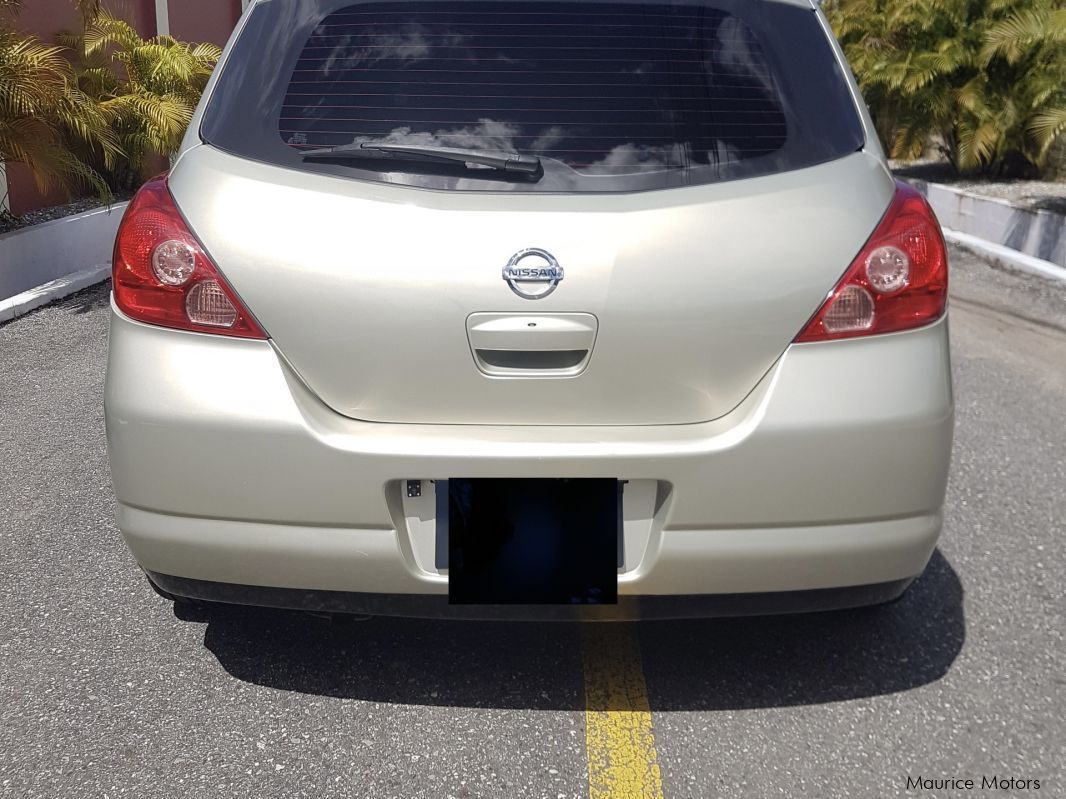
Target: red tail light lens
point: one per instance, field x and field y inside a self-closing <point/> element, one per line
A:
<point x="898" y="281"/>
<point x="162" y="276"/>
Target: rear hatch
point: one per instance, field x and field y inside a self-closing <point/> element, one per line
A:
<point x="697" y="201"/>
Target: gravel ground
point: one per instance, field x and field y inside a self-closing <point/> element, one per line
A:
<point x="1036" y="195"/>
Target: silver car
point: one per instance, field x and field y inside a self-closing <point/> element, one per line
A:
<point x="546" y="308"/>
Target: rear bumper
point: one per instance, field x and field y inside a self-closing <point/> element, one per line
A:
<point x="629" y="608"/>
<point x="830" y="474"/>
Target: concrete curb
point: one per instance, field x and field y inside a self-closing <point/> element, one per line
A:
<point x="1038" y="234"/>
<point x="49" y="261"/>
<point x="51" y="291"/>
<point x="1005" y="256"/>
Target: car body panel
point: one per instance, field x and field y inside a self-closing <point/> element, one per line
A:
<point x="366" y="289"/>
<point x="831" y="472"/>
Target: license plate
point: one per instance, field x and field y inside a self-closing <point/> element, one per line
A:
<point x="530" y="541"/>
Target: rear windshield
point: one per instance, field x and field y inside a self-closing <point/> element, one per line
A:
<point x="610" y="96"/>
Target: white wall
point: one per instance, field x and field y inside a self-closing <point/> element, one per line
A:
<point x="1041" y="234"/>
<point x="162" y="18"/>
<point x="33" y="256"/>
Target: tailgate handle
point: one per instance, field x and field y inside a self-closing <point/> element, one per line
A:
<point x="531" y="359"/>
<point x="531" y="345"/>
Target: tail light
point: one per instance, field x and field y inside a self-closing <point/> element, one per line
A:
<point x="898" y="281"/>
<point x="162" y="276"/>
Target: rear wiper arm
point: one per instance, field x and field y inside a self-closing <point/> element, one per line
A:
<point x="508" y="162"/>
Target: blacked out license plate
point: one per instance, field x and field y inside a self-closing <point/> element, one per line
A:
<point x="530" y="541"/>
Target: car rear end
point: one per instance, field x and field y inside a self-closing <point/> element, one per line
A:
<point x="712" y="292"/>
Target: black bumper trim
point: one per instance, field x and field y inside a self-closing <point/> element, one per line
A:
<point x="629" y="607"/>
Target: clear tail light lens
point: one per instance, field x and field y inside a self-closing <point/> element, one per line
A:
<point x="207" y="304"/>
<point x="897" y="282"/>
<point x="161" y="274"/>
<point x="852" y="310"/>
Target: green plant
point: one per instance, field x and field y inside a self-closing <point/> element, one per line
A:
<point x="985" y="77"/>
<point x="42" y="112"/>
<point x="146" y="88"/>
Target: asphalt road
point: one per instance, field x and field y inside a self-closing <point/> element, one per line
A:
<point x="104" y="691"/>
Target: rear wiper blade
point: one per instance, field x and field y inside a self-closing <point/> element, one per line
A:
<point x="508" y="162"/>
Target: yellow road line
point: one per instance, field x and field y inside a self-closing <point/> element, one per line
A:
<point x="623" y="762"/>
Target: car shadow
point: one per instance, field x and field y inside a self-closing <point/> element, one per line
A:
<point x="715" y="664"/>
<point x="88" y="299"/>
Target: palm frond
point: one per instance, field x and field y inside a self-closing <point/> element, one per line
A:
<point x="1045" y="128"/>
<point x="99" y="100"/>
<point x="1012" y="36"/>
<point x="987" y="76"/>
